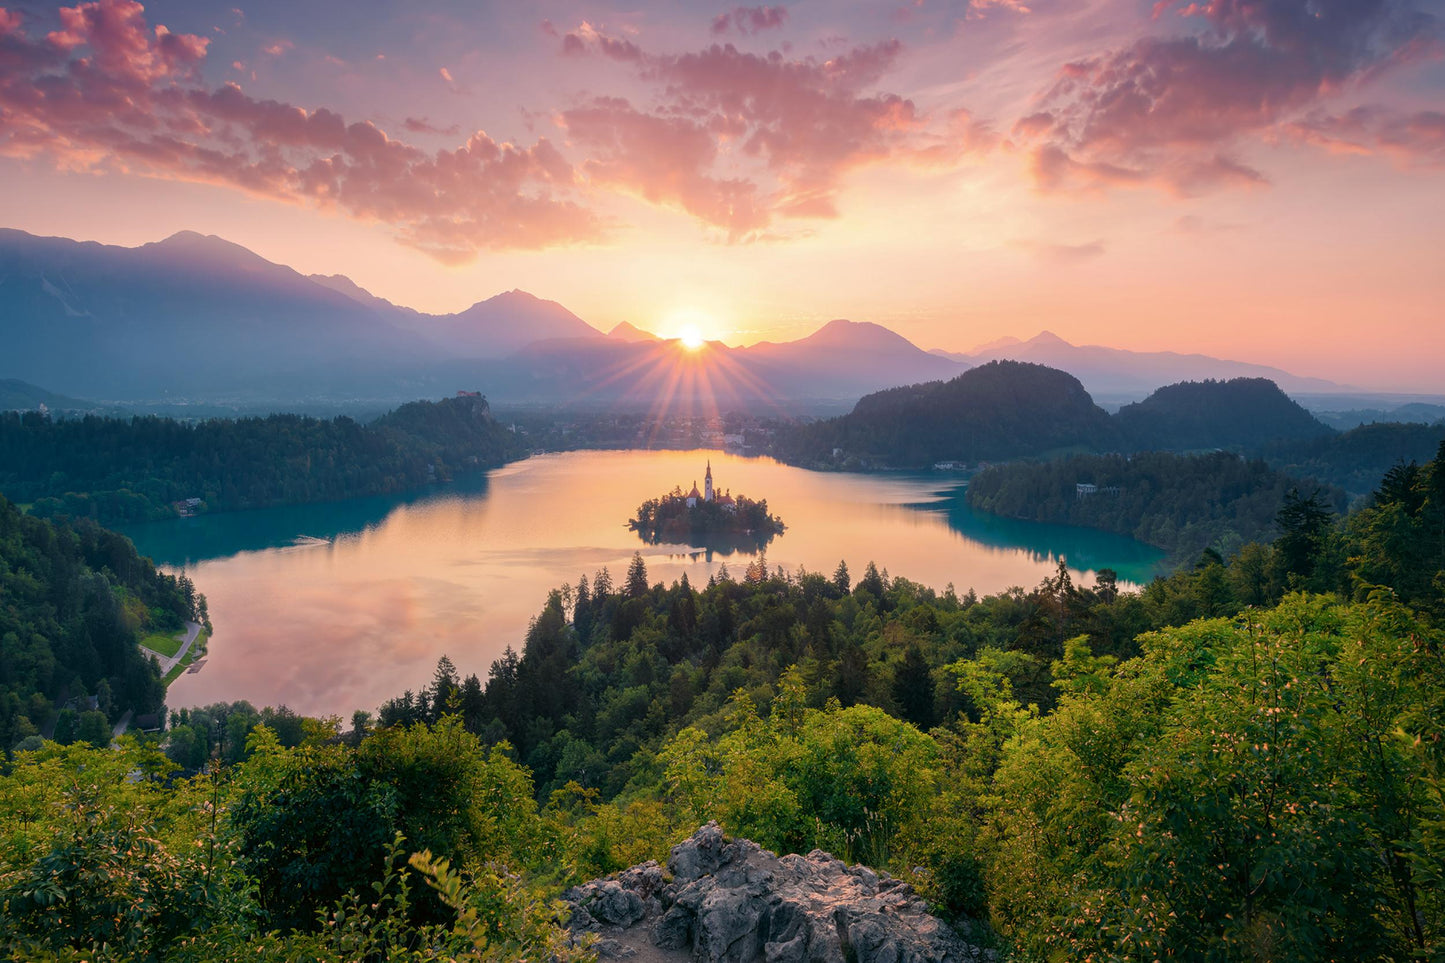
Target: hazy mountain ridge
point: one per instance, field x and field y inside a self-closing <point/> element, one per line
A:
<point x="201" y="318"/>
<point x="1121" y="372"/>
<point x="17" y="395"/>
<point x="198" y="316"/>
<point x="190" y="314"/>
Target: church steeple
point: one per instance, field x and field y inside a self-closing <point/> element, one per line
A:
<point x="707" y="483"/>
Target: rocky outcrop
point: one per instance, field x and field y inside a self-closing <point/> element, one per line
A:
<point x="723" y="900"/>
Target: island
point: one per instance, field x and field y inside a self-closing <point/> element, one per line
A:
<point x="708" y="517"/>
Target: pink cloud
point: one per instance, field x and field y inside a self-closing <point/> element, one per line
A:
<point x="421" y="125"/>
<point x="1414" y="139"/>
<point x="738" y="139"/>
<point x="664" y="160"/>
<point x="748" y="20"/>
<point x="1170" y="111"/>
<point x="1054" y="169"/>
<point x="106" y="92"/>
<point x="980" y="8"/>
<point x="121" y="46"/>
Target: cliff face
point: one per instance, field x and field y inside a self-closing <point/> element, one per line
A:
<point x="731" y="901"/>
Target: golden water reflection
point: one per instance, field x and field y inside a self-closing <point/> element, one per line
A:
<point x="331" y="626"/>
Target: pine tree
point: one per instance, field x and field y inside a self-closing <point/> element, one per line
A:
<point x="913" y="688"/>
<point x="443" y="689"/>
<point x="637" y="577"/>
<point x="1303" y="522"/>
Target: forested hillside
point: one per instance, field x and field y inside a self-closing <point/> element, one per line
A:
<point x="1009" y="410"/>
<point x="1004" y="409"/>
<point x="1242" y="755"/>
<point x="74" y="602"/>
<point x="1183" y="504"/>
<point x="1240" y="414"/>
<point x="1354" y="460"/>
<point x="126" y="470"/>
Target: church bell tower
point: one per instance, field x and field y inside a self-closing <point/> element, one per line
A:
<point x="707" y="483"/>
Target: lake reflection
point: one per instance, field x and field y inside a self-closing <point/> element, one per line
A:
<point x="329" y="608"/>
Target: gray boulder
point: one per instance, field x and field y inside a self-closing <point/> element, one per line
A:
<point x="731" y="901"/>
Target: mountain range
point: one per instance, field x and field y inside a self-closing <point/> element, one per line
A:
<point x="1118" y="374"/>
<point x="197" y="317"/>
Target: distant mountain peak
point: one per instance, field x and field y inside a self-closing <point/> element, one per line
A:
<point x="1048" y="338"/>
<point x="194" y="240"/>
<point x="209" y="250"/>
<point x="626" y="331"/>
<point x="841" y="332"/>
<point x="186" y="237"/>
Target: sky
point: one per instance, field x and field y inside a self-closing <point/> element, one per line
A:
<point x="1261" y="180"/>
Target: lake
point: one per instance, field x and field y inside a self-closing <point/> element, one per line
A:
<point x="333" y="607"/>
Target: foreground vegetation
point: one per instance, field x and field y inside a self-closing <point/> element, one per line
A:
<point x="117" y="470"/>
<point x="1240" y="762"/>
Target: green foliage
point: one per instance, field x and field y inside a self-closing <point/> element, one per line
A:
<point x="1183" y="504"/>
<point x="1354" y="460"/>
<point x="847" y="780"/>
<point x="74" y="599"/>
<point x="1399" y="541"/>
<point x="93" y="854"/>
<point x="1232" y="793"/>
<point x="310" y="820"/>
<point x="308" y="826"/>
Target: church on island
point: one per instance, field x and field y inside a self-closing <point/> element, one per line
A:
<point x="684" y="517"/>
<point x="708" y="493"/>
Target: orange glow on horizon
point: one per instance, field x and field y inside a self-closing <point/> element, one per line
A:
<point x="692" y="327"/>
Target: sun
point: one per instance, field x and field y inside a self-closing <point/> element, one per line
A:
<point x="691" y="337"/>
<point x="690" y="327"/>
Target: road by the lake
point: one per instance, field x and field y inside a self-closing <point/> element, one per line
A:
<point x="193" y="629"/>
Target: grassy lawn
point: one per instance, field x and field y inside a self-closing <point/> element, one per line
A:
<point x="166" y="645"/>
<point x="198" y="650"/>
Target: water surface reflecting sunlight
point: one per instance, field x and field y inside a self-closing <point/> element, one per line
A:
<point x="330" y="608"/>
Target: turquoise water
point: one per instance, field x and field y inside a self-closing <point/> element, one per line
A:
<point x="332" y="607"/>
